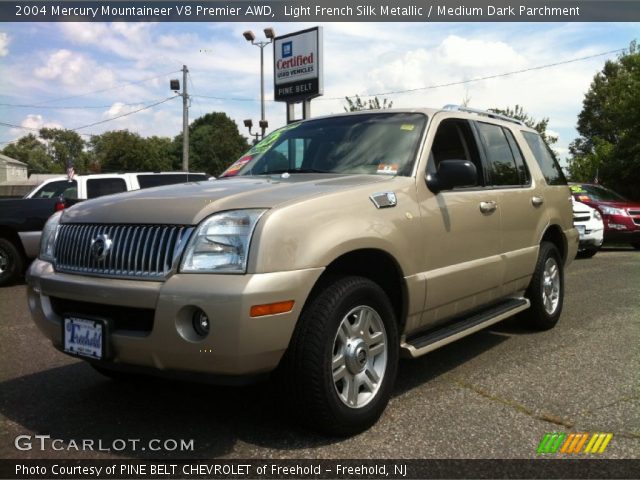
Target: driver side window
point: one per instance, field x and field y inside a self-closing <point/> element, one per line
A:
<point x="454" y="140"/>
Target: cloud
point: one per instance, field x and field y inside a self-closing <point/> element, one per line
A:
<point x="4" y="44"/>
<point x="75" y="70"/>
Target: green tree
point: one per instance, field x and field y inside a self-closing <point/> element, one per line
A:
<point x="118" y="151"/>
<point x="214" y="143"/>
<point x="30" y="150"/>
<point x="355" y="104"/>
<point x="539" y="125"/>
<point x="609" y="124"/>
<point x="66" y="147"/>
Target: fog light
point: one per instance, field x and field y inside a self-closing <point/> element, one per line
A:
<point x="201" y="323"/>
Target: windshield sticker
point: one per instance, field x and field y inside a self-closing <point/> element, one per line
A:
<point x="235" y="168"/>
<point x="577" y="189"/>
<point x="388" y="169"/>
<point x="407" y="126"/>
<point x="270" y="139"/>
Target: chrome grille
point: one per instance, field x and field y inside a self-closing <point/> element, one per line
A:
<point x="137" y="251"/>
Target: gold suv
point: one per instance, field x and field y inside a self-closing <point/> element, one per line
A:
<point x="331" y="248"/>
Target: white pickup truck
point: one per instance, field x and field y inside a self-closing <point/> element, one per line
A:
<point x="83" y="187"/>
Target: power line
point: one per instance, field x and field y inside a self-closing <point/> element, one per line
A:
<point x="107" y="89"/>
<point x="488" y="77"/>
<point x="125" y="114"/>
<point x="90" y="124"/>
<point x="441" y="85"/>
<point x="75" y="107"/>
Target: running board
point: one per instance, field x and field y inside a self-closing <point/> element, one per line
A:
<point x="430" y="340"/>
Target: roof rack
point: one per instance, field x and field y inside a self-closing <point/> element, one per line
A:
<point x="477" y="111"/>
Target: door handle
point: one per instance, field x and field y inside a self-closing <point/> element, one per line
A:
<point x="536" y="201"/>
<point x="488" y="207"/>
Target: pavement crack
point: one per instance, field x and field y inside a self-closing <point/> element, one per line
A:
<point x="543" y="416"/>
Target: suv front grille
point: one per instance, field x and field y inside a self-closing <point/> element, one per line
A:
<point x="581" y="218"/>
<point x="136" y="251"/>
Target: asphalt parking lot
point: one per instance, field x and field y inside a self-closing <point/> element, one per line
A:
<point x="491" y="395"/>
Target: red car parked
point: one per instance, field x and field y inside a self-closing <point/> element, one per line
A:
<point x="621" y="216"/>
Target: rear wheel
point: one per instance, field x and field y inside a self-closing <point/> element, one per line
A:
<point x="546" y="290"/>
<point x="340" y="368"/>
<point x="11" y="262"/>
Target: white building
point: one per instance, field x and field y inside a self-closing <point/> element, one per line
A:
<point x="12" y="170"/>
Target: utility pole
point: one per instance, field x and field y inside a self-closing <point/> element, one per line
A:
<point x="185" y="120"/>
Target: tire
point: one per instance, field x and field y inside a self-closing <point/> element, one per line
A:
<point x="328" y="352"/>
<point x="11" y="262"/>
<point x="636" y="245"/>
<point x="546" y="301"/>
<point x="588" y="252"/>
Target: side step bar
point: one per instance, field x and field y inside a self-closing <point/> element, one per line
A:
<point x="430" y="340"/>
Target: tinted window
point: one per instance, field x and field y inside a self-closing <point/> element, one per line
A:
<point x="97" y="187"/>
<point x="549" y="166"/>
<point x="454" y="141"/>
<point x="501" y="163"/>
<point x="148" y="181"/>
<point x="66" y="188"/>
<point x="523" y="171"/>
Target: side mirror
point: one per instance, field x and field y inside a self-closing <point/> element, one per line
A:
<point x="451" y="174"/>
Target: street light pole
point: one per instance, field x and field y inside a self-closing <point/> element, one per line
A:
<point x="250" y="37"/>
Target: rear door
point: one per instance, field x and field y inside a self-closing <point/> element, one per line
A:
<point x="522" y="214"/>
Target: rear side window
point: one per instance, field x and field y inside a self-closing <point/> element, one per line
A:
<point x="502" y="166"/>
<point x="97" y="187"/>
<point x="549" y="166"/>
<point x="66" y="188"/>
<point x="148" y="181"/>
<point x="523" y="171"/>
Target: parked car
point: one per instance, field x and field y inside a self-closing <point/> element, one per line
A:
<point x="621" y="216"/>
<point x="97" y="185"/>
<point x="21" y="220"/>
<point x="340" y="243"/>
<point x="589" y="223"/>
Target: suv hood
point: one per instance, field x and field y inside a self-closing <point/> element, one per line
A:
<point x="188" y="204"/>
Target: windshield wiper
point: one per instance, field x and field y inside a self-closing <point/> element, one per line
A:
<point x="292" y="170"/>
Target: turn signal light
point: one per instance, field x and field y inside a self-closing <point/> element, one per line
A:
<point x="271" y="308"/>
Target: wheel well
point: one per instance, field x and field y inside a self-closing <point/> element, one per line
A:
<point x="12" y="236"/>
<point x="379" y="267"/>
<point x="554" y="235"/>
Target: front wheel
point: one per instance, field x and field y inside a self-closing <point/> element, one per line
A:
<point x="11" y="262"/>
<point x="340" y="368"/>
<point x="546" y="290"/>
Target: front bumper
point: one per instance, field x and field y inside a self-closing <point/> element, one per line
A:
<point x="237" y="344"/>
<point x="592" y="239"/>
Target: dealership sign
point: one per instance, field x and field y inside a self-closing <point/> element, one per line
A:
<point x="297" y="65"/>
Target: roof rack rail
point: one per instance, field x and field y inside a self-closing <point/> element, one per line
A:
<point x="477" y="111"/>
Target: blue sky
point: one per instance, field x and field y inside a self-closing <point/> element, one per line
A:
<point x="43" y="62"/>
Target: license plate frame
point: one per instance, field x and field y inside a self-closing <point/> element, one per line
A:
<point x="86" y="345"/>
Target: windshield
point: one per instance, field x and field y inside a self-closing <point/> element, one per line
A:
<point x="597" y="193"/>
<point x="376" y="143"/>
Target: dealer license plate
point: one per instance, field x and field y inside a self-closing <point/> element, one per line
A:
<point x="84" y="337"/>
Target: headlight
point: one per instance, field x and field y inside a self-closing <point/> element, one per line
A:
<point x="612" y="211"/>
<point x="221" y="242"/>
<point x="596" y="214"/>
<point x="48" y="238"/>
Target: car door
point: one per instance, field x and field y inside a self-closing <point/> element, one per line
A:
<point x="522" y="216"/>
<point x="460" y="228"/>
